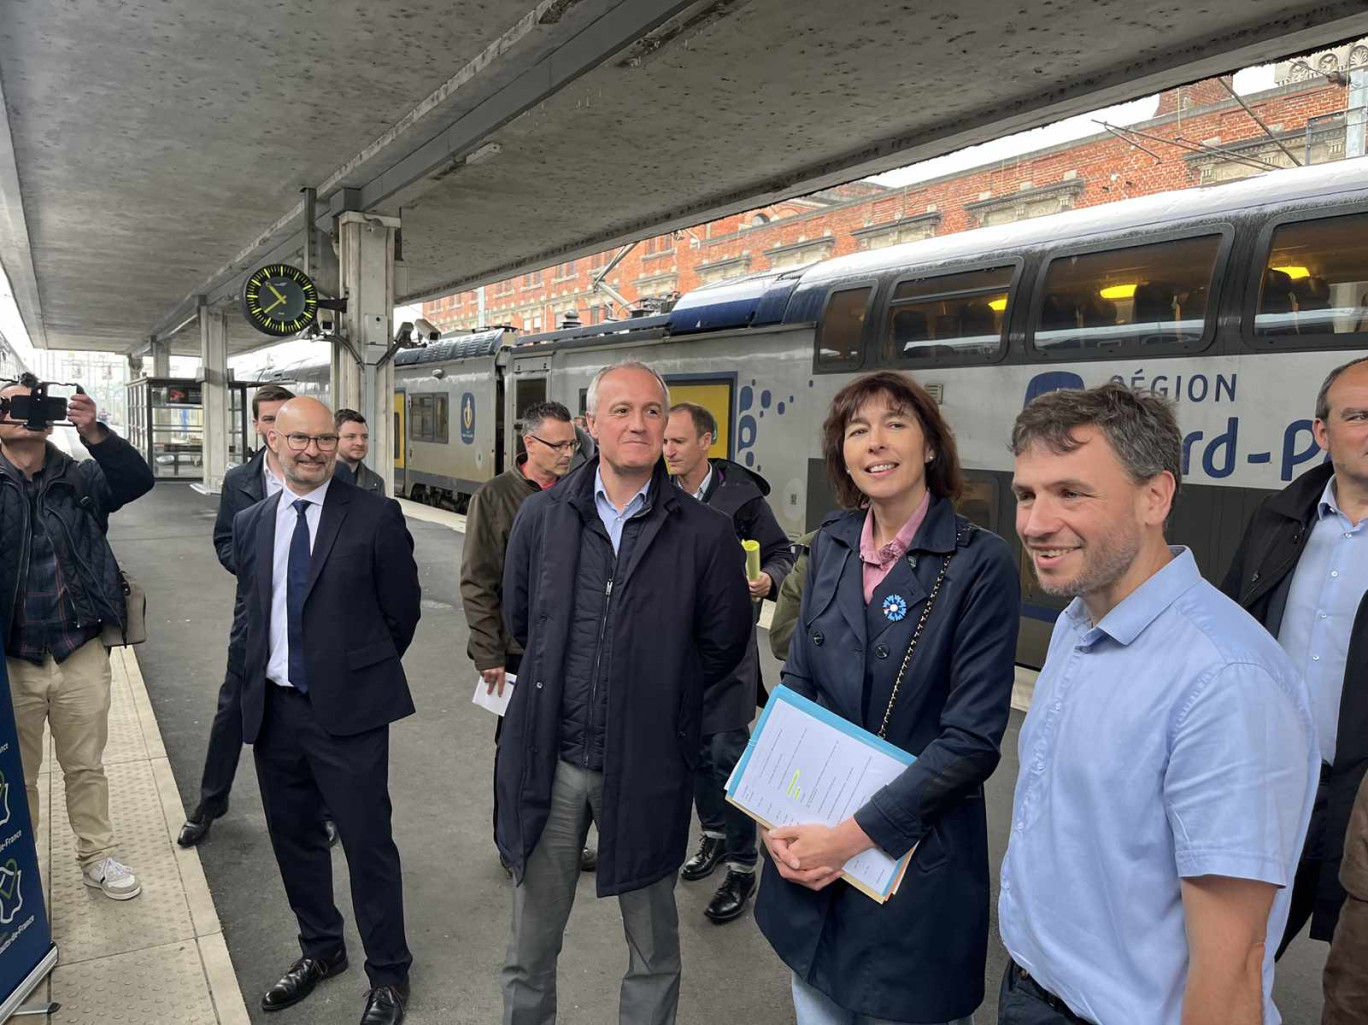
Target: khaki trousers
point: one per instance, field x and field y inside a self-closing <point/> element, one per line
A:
<point x="73" y="699"/>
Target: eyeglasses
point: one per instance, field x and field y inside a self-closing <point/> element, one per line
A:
<point x="557" y="446"/>
<point x="300" y="442"/>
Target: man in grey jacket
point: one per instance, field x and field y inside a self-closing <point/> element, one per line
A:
<point x="353" y="445"/>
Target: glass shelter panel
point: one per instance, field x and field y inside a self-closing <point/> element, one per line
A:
<point x="1315" y="281"/>
<point x="949" y="317"/>
<point x="1128" y="299"/>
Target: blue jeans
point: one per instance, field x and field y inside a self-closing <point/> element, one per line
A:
<point x="814" y="1007"/>
<point x="717" y="816"/>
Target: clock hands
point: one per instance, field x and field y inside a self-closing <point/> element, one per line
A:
<point x="274" y="291"/>
<point x="273" y="305"/>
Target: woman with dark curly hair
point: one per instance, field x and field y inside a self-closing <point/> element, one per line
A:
<point x="908" y="629"/>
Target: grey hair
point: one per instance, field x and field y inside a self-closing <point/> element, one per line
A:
<point x="1323" y="396"/>
<point x="1138" y="424"/>
<point x="591" y="398"/>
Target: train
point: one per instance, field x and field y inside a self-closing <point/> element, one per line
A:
<point x="1233" y="300"/>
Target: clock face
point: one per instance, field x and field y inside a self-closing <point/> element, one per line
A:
<point x="280" y="300"/>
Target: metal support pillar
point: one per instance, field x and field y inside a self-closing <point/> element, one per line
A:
<point x="366" y="263"/>
<point x="214" y="395"/>
<point x="161" y="358"/>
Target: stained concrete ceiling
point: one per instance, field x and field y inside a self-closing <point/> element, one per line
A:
<point x="155" y="151"/>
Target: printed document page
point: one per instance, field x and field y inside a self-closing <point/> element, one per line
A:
<point x="806" y="764"/>
<point x="496" y="703"/>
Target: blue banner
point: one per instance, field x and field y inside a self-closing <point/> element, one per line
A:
<point x="26" y="950"/>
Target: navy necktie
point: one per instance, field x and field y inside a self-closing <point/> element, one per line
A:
<point x="296" y="582"/>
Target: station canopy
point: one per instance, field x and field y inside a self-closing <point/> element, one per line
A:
<point x="153" y="153"/>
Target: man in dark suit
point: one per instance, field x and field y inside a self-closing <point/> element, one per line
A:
<point x="331" y="600"/>
<point x="243" y="486"/>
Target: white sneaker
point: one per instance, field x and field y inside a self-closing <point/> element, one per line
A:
<point x="113" y="878"/>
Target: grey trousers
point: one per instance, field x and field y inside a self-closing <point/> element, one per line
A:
<point x="541" y="907"/>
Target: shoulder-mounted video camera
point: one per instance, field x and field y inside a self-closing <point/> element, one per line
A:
<point x="37" y="410"/>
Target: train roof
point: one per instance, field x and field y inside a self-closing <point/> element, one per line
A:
<point x="1272" y="188"/>
<point x="451" y="347"/>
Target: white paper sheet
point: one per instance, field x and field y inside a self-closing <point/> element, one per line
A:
<point x="812" y="767"/>
<point x="496" y="704"/>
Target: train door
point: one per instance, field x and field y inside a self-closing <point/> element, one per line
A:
<point x="400" y="442"/>
<point x="527" y="391"/>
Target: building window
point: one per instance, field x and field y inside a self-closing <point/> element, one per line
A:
<point x="1148" y="295"/>
<point x="531" y="279"/>
<point x="801" y="254"/>
<point x="1025" y="204"/>
<point x="955" y="316"/>
<point x="1315" y="280"/>
<point x="659" y="244"/>
<point x="723" y="270"/>
<point x="909" y="229"/>
<point x="658" y="285"/>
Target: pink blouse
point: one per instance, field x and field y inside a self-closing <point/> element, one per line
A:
<point x="879" y="562"/>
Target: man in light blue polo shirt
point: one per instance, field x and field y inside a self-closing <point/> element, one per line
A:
<point x="1169" y="760"/>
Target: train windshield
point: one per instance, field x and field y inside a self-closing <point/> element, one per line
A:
<point x="954" y="315"/>
<point x="1315" y="281"/>
<point x="1149" y="295"/>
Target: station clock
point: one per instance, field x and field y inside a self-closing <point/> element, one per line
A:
<point x="279" y="299"/>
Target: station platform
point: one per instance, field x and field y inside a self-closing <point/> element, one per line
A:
<point x="223" y="947"/>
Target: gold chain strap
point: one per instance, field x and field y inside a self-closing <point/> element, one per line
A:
<point x="912" y="644"/>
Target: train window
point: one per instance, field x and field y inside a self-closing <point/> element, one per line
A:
<point x="1156" y="295"/>
<point x="1315" y="281"/>
<point x="954" y="316"/>
<point x="427" y="418"/>
<point x="842" y="328"/>
<point x="979" y="500"/>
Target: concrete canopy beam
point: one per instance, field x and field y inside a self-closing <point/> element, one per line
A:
<point x="189" y="129"/>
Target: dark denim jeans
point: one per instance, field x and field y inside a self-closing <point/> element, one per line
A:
<point x="1023" y="1002"/>
<point x="721" y="752"/>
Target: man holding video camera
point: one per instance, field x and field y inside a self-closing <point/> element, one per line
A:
<point x="59" y="586"/>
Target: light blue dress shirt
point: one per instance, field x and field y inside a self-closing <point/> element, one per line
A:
<point x="1172" y="740"/>
<point x="613" y="521"/>
<point x="1328" y="586"/>
<point x="278" y="660"/>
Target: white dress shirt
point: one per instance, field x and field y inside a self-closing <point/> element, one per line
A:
<point x="270" y="482"/>
<point x="278" y="664"/>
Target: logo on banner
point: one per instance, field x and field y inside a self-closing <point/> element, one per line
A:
<point x="468" y="418"/>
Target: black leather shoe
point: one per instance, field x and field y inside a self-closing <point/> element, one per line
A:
<point x="730" y="899"/>
<point x="196" y="827"/>
<point x="331" y="827"/>
<point x="300" y="980"/>
<point x="385" y="1005"/>
<point x="701" y="865"/>
<point x="588" y="860"/>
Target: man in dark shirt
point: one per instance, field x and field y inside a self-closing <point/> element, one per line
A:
<point x="59" y="587"/>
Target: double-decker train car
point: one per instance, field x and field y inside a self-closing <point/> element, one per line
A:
<point x="1233" y="300"/>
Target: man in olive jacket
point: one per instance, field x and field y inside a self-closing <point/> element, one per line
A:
<point x="630" y="600"/>
<point x="550" y="441"/>
<point x="1302" y="571"/>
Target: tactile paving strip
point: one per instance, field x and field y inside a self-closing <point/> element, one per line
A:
<point x="88" y="924"/>
<point x="158" y="986"/>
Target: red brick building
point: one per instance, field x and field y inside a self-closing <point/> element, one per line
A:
<point x="1198" y="135"/>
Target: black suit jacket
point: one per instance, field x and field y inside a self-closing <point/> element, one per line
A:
<point x="360" y="612"/>
<point x="243" y="486"/>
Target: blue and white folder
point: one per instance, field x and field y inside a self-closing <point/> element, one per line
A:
<point x="805" y="764"/>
